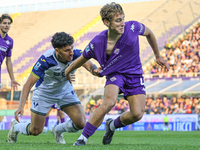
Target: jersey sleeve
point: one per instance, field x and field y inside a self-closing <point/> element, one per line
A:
<point x="9" y="51"/>
<point x="139" y="27"/>
<point x="39" y="68"/>
<point x="89" y="51"/>
<point x="136" y="27"/>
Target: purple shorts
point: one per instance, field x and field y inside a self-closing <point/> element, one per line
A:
<point x="128" y="84"/>
<point x="55" y="106"/>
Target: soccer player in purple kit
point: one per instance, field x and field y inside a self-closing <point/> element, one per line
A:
<point x="6" y="45"/>
<point x="117" y="51"/>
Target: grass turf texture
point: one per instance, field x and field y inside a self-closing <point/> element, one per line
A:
<point x="122" y="140"/>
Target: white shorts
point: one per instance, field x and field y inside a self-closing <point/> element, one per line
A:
<point x="42" y="102"/>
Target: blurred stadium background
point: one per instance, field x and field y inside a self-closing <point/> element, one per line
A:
<point x="175" y="23"/>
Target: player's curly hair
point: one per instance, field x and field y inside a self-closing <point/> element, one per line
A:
<point x="109" y="10"/>
<point x="5" y="16"/>
<point x="61" y="39"/>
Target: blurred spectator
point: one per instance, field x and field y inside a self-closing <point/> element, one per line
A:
<point x="189" y="104"/>
<point x="183" y="56"/>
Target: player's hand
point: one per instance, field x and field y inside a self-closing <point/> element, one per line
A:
<point x="17" y="112"/>
<point x="72" y="77"/>
<point x="95" y="72"/>
<point x="68" y="77"/>
<point x="14" y="85"/>
<point x="162" y="62"/>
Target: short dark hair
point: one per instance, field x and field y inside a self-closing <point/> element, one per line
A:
<point x="5" y="16"/>
<point x="61" y="39"/>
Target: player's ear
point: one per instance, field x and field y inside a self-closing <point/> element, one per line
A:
<point x="106" y="22"/>
<point x="56" y="50"/>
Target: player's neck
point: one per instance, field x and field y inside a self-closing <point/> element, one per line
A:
<point x="112" y="36"/>
<point x="2" y="34"/>
<point x="60" y="59"/>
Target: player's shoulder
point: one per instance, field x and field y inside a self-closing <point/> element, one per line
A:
<point x="131" y="23"/>
<point x="134" y="26"/>
<point x="99" y="37"/>
<point x="49" y="53"/>
<point x="76" y="50"/>
<point x="8" y="39"/>
<point x="48" y="57"/>
<point x="77" y="53"/>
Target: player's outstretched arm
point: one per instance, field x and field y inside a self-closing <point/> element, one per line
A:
<point x="24" y="95"/>
<point x="9" y="65"/>
<point x="92" y="68"/>
<point x="74" y="65"/>
<point x="153" y="43"/>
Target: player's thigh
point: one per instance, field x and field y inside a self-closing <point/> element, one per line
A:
<point x="76" y="113"/>
<point x="137" y="104"/>
<point x="37" y="121"/>
<point x="110" y="94"/>
<point x="47" y="115"/>
<point x="60" y="113"/>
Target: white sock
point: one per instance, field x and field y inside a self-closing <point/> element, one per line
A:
<point x="67" y="126"/>
<point x="82" y="137"/>
<point x="23" y="128"/>
<point x="112" y="126"/>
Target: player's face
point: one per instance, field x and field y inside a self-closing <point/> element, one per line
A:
<point x="65" y="53"/>
<point x="117" y="23"/>
<point x="5" y="25"/>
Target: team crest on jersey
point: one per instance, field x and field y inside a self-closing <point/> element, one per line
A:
<point x="7" y="42"/>
<point x="37" y="66"/>
<point x="87" y="49"/>
<point x="113" y="79"/>
<point x="35" y="104"/>
<point x="132" y="27"/>
<point x="116" y="51"/>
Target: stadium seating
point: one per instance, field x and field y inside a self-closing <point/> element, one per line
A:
<point x="32" y="32"/>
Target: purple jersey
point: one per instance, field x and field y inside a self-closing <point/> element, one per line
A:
<point x="125" y="56"/>
<point x="6" y="45"/>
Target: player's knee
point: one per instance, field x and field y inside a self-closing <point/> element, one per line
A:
<point x="109" y="103"/>
<point x="136" y="116"/>
<point x="35" y="131"/>
<point x="81" y="124"/>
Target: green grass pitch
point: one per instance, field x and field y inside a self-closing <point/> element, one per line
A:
<point x="122" y="140"/>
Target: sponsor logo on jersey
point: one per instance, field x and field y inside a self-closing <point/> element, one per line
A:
<point x="7" y="42"/>
<point x="57" y="69"/>
<point x="132" y="27"/>
<point x="3" y="48"/>
<point x="116" y="51"/>
<point x="37" y="66"/>
<point x="43" y="60"/>
<point x="113" y="79"/>
<point x="87" y="49"/>
<point x="56" y="73"/>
